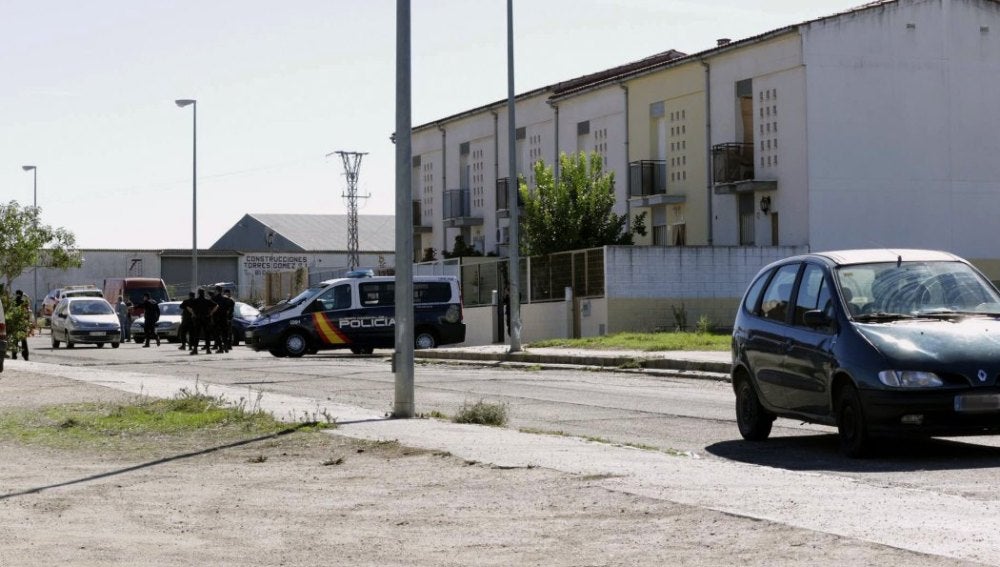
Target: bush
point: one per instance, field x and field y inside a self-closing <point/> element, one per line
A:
<point x="482" y="413"/>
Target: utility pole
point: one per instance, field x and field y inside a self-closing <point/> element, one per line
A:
<point x="402" y="360"/>
<point x="352" y="165"/>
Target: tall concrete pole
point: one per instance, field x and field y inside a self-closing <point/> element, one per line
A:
<point x="514" y="270"/>
<point x="403" y="357"/>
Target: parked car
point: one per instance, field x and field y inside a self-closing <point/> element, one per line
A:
<point x="85" y="320"/>
<point x="167" y="327"/>
<point x="875" y="342"/>
<point x="58" y="294"/>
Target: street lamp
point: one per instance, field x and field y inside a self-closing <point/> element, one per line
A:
<point x="34" y="204"/>
<point x="194" y="187"/>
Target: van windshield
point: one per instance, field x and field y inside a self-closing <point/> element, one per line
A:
<point x="157" y="293"/>
<point x="307" y="295"/>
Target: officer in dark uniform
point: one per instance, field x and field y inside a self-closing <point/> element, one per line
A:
<point x="218" y="319"/>
<point x="201" y="309"/>
<point x="224" y="319"/>
<point x="185" y="333"/>
<point x="150" y="315"/>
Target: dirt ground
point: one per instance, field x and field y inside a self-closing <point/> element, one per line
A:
<point x="324" y="499"/>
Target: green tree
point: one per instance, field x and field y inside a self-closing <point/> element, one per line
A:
<point x="572" y="212"/>
<point x="25" y="242"/>
<point x="461" y="249"/>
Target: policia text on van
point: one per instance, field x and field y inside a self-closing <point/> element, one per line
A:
<point x="359" y="314"/>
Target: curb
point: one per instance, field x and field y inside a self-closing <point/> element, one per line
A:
<point x="607" y="362"/>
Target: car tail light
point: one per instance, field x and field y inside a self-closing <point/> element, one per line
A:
<point x="454" y="314"/>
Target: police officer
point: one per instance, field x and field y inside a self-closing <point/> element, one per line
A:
<point x="150" y="315"/>
<point x="201" y="309"/>
<point x="218" y="320"/>
<point x="123" y="319"/>
<point x="186" y="331"/>
<point x="227" y="320"/>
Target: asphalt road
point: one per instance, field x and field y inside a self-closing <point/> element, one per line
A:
<point x="670" y="414"/>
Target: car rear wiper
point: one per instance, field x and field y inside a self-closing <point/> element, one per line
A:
<point x="883" y="316"/>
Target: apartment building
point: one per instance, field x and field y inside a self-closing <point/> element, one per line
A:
<point x="872" y="127"/>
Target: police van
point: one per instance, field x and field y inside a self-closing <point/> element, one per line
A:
<point x="359" y="314"/>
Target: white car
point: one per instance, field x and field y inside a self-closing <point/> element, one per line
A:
<point x="167" y="327"/>
<point x="85" y="320"/>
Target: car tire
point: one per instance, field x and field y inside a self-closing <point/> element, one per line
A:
<point x="137" y="340"/>
<point x="752" y="419"/>
<point x="236" y="341"/>
<point x="69" y="344"/>
<point x="425" y="339"/>
<point x="277" y="352"/>
<point x="55" y="343"/>
<point x="851" y="427"/>
<point x="295" y="344"/>
<point x="114" y="345"/>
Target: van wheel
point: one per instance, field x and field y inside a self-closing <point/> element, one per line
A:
<point x="425" y="339"/>
<point x="295" y="344"/>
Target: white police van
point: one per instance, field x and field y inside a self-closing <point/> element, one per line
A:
<point x="359" y="314"/>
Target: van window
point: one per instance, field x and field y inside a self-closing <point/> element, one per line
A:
<point x="377" y="294"/>
<point x="337" y="297"/>
<point x="431" y="292"/>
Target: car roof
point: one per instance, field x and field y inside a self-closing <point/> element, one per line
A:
<point x="871" y="255"/>
<point x="390" y="279"/>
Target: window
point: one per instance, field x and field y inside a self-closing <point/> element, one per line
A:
<point x="750" y="302"/>
<point x="377" y="294"/>
<point x="431" y="292"/>
<point x="779" y="293"/>
<point x="814" y="293"/>
<point x="338" y="297"/>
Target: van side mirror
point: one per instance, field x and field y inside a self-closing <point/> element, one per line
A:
<point x="816" y="318"/>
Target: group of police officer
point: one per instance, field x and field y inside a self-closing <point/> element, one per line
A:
<point x="207" y="318"/>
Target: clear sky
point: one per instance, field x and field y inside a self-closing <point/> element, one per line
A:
<point x="88" y="92"/>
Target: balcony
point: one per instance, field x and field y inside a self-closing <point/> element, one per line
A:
<point x="733" y="169"/>
<point x="647" y="184"/>
<point x="457" y="209"/>
<point x="418" y="225"/>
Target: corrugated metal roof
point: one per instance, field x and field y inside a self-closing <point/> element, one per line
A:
<point x="376" y="233"/>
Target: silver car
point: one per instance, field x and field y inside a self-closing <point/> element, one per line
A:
<point x="167" y="327"/>
<point x="85" y="320"/>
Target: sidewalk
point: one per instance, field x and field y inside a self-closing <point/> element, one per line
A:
<point x="689" y="364"/>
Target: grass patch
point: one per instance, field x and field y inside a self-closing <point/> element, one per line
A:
<point x="143" y="423"/>
<point x="645" y="342"/>
<point x="482" y="413"/>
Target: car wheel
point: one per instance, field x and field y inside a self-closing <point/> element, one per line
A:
<point x="277" y="352"/>
<point x="55" y="343"/>
<point x="100" y="345"/>
<point x="753" y="420"/>
<point x="137" y="340"/>
<point x="295" y="344"/>
<point x="851" y="426"/>
<point x="236" y="341"/>
<point x="69" y="344"/>
<point x="425" y="339"/>
<point x="114" y="345"/>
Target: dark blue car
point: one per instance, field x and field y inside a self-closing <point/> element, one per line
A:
<point x="875" y="342"/>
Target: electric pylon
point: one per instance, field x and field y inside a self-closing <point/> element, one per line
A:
<point x="352" y="165"/>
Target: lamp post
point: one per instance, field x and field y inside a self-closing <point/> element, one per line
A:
<point x="194" y="186"/>
<point x="34" y="205"/>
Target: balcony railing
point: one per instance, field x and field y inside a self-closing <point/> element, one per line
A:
<point x="647" y="177"/>
<point x="732" y="162"/>
<point x="456" y="204"/>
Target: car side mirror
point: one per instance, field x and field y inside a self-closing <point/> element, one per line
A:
<point x="61" y="315"/>
<point x="816" y="318"/>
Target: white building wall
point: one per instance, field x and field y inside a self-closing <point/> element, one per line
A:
<point x="97" y="265"/>
<point x="774" y="66"/>
<point x="605" y="110"/>
<point x="902" y="127"/>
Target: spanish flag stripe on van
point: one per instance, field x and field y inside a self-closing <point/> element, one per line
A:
<point x="327" y="331"/>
